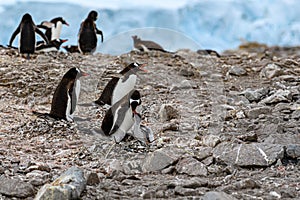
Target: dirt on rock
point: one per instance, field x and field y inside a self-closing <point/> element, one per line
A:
<point x="236" y="127"/>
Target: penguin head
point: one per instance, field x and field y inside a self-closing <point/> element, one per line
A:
<point x="135" y="99"/>
<point x="93" y="15"/>
<point x="59" y="19"/>
<point x="58" y="42"/>
<point x="27" y="17"/>
<point x="135" y="38"/>
<point x="133" y="68"/>
<point x="74" y="73"/>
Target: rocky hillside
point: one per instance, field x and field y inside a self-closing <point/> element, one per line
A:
<point x="224" y="127"/>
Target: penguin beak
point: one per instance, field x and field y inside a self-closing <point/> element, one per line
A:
<point x="142" y="68"/>
<point x="64" y="40"/>
<point x="66" y="23"/>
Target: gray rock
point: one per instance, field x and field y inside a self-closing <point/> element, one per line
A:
<point x="270" y="71"/>
<point x="112" y="166"/>
<point x="293" y="151"/>
<point x="279" y="96"/>
<point x="237" y="71"/>
<point x="282" y="139"/>
<point x="185" y="191"/>
<point x="255" y="95"/>
<point x="248" y="155"/>
<point x="255" y="112"/>
<point x="38" y="178"/>
<point x="131" y="167"/>
<point x="191" y="166"/>
<point x="92" y="178"/>
<point x="15" y="188"/>
<point x="167" y="112"/>
<point x="210" y="140"/>
<point x="68" y="186"/>
<point x="296" y="114"/>
<point x="212" y="195"/>
<point x="160" y="159"/>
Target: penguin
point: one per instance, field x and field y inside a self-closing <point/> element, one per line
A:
<point x="119" y="118"/>
<point x="87" y="36"/>
<point x="142" y="133"/>
<point x="53" y="28"/>
<point x="71" y="48"/>
<point x="146" y="45"/>
<point x="118" y="87"/>
<point x="27" y="30"/>
<point x="54" y="45"/>
<point x="66" y="95"/>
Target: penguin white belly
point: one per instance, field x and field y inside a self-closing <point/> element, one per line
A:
<point x="123" y="88"/>
<point x="69" y="116"/>
<point x="77" y="89"/>
<point x="125" y="126"/>
<point x="56" y="30"/>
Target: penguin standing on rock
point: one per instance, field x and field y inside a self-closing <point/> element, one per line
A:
<point x="66" y="95"/>
<point x="119" y="119"/>
<point x="87" y="36"/>
<point x="53" y="28"/>
<point x="27" y="30"/>
<point x="118" y="87"/>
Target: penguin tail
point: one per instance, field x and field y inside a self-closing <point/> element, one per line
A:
<point x="39" y="114"/>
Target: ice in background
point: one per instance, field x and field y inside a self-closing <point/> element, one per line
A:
<point x="213" y="24"/>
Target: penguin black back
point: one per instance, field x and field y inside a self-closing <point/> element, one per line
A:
<point x="65" y="96"/>
<point x="27" y="31"/>
<point x="87" y="41"/>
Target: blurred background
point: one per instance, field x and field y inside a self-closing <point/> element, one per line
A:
<point x="211" y="24"/>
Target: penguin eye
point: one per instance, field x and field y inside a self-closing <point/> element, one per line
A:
<point x="135" y="64"/>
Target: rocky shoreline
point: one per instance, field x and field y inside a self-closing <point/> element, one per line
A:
<point x="224" y="127"/>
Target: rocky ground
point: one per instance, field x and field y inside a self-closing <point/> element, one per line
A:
<point x="224" y="127"/>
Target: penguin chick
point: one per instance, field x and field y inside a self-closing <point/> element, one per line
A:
<point x="146" y="45"/>
<point x="119" y="119"/>
<point x="27" y="30"/>
<point x="87" y="36"/>
<point x="66" y="95"/>
<point x="53" y="28"/>
<point x="118" y="87"/>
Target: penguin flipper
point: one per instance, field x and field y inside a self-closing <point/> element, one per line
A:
<point x="120" y="115"/>
<point x="106" y="96"/>
<point x="100" y="33"/>
<point x="38" y="31"/>
<point x="107" y="122"/>
<point x="15" y="33"/>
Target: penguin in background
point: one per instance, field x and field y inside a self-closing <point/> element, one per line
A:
<point x="118" y="87"/>
<point x="27" y="30"/>
<point x="66" y="95"/>
<point x="53" y="28"/>
<point x="146" y="45"/>
<point x="54" y="45"/>
<point x="119" y="118"/>
<point x="87" y="36"/>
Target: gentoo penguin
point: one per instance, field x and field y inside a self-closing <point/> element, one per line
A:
<point x="145" y="45"/>
<point x="118" y="87"/>
<point x="27" y="31"/>
<point x="71" y="48"/>
<point x="87" y="36"/>
<point x="54" y="45"/>
<point x="142" y="133"/>
<point x="53" y="28"/>
<point x="119" y="119"/>
<point x="66" y="95"/>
